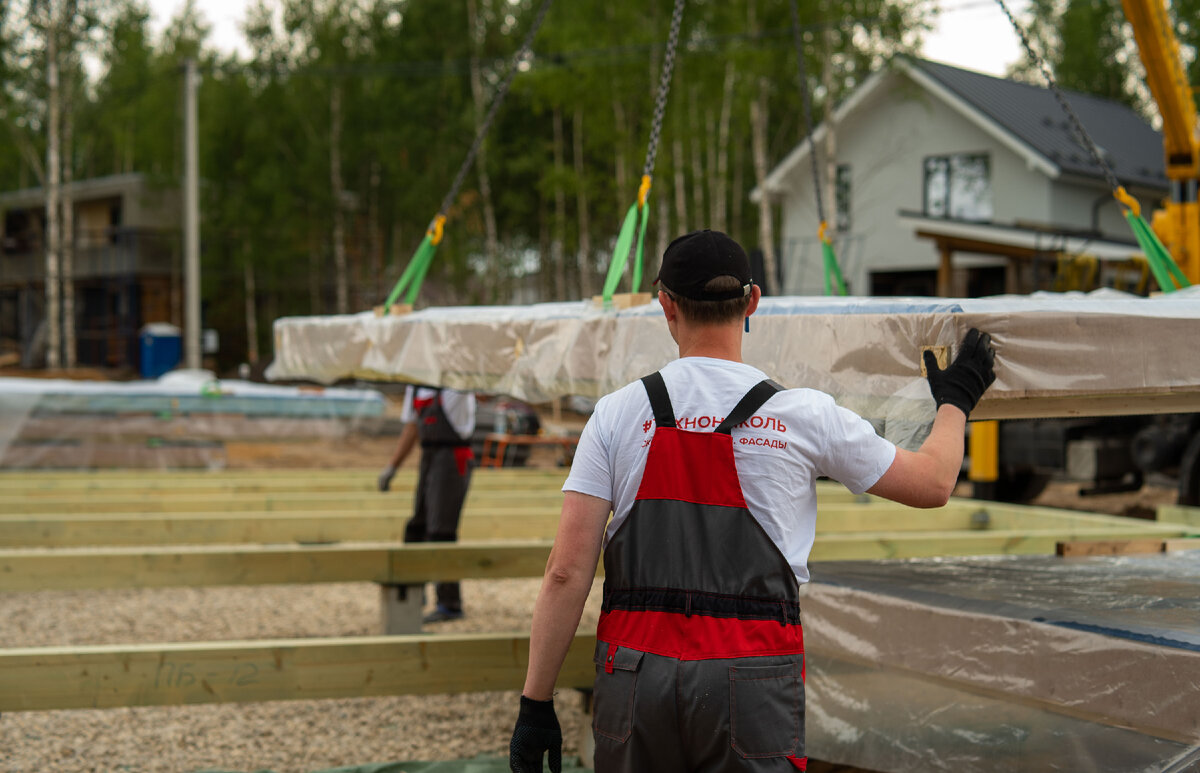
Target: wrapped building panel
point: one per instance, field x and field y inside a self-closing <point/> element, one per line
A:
<point x="1102" y="353"/>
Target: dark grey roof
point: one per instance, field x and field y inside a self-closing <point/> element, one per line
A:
<point x="1133" y="150"/>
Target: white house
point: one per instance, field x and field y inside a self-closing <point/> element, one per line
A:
<point x="954" y="183"/>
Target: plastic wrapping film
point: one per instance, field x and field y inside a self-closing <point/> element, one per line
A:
<point x="182" y="420"/>
<point x="1006" y="663"/>
<point x="1061" y="348"/>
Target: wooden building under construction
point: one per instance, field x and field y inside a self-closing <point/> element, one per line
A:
<point x="124" y="269"/>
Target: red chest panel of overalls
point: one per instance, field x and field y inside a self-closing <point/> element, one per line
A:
<point x="691" y="573"/>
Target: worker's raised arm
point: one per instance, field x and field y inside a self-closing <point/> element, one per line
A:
<point x="926" y="477"/>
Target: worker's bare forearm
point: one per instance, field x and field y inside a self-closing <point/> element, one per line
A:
<point x="556" y="617"/>
<point x="926" y="477"/>
<point x="408" y="441"/>
<point x="944" y="448"/>
<point x="565" y="587"/>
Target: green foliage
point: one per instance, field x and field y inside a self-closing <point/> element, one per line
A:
<point x="1087" y="47"/>
<point x="399" y="73"/>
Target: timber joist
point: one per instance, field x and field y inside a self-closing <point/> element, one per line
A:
<point x="44" y="678"/>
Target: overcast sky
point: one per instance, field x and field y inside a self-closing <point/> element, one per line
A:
<point x="972" y="34"/>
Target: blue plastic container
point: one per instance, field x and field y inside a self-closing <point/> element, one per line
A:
<point x="161" y="348"/>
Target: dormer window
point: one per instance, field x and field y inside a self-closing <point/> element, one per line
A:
<point x="958" y="187"/>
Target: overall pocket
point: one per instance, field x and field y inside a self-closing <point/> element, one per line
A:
<point x="616" y="686"/>
<point x="766" y="710"/>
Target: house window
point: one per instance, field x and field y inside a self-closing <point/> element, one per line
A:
<point x="841" y="196"/>
<point x="959" y="186"/>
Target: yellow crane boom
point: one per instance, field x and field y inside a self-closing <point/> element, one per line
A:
<point x="1178" y="222"/>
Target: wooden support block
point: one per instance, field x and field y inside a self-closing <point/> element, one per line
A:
<point x="46" y="678"/>
<point x="1108" y="547"/>
<point x="395" y="310"/>
<point x="1189" y="543"/>
<point x="623" y="300"/>
<point x="942" y="353"/>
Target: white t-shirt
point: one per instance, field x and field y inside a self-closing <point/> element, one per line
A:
<point x="796" y="437"/>
<point x="459" y="407"/>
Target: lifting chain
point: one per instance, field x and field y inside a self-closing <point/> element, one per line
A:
<point x="664" y="86"/>
<point x="501" y="93"/>
<point x="1076" y="124"/>
<point x="808" y="124"/>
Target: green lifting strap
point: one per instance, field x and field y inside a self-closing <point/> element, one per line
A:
<point x="832" y="272"/>
<point x="414" y="273"/>
<point x="1162" y="265"/>
<point x="418" y="266"/>
<point x="634" y="226"/>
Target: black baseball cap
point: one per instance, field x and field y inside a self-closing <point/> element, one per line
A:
<point x="694" y="259"/>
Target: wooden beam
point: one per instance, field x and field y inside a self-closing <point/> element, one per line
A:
<point x="1076" y="548"/>
<point x="1180" y="514"/>
<point x="1175" y="400"/>
<point x="40" y="679"/>
<point x="32" y="482"/>
<point x="247" y="503"/>
<point x="390" y="563"/>
<point x="868" y="546"/>
<point x="394" y="564"/>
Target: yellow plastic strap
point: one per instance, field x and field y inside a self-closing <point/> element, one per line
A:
<point x="1121" y="195"/>
<point x="644" y="190"/>
<point x="435" y="229"/>
<point x="821" y="232"/>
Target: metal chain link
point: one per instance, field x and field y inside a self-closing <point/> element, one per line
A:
<point x="1076" y="124"/>
<point x="812" y="145"/>
<point x="522" y="52"/>
<point x="664" y="85"/>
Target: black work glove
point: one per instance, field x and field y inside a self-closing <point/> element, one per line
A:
<point x="968" y="377"/>
<point x="537" y="731"/>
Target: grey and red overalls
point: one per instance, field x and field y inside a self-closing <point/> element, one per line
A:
<point x="700" y="654"/>
<point x="445" y="475"/>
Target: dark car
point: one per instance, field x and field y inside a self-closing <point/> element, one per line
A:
<point x="504" y="416"/>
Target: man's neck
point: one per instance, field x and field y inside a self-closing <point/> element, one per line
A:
<point x="719" y="342"/>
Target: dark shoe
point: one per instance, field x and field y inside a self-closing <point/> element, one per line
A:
<point x="442" y="614"/>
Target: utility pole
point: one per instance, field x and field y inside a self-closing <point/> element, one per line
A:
<point x="53" y="298"/>
<point x="191" y="221"/>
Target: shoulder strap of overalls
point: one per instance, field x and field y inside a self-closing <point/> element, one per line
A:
<point x="664" y="414"/>
<point x="746" y="407"/>
<point x="660" y="401"/>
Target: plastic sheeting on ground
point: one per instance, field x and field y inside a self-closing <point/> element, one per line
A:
<point x="182" y="419"/>
<point x="1006" y="663"/>
<point x="475" y="765"/>
<point x="866" y="352"/>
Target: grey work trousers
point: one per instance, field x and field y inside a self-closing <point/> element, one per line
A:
<point x="661" y="714"/>
<point x="437" y="508"/>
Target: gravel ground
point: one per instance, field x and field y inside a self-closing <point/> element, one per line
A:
<point x="285" y="736"/>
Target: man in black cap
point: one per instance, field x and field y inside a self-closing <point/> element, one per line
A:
<point x="708" y="468"/>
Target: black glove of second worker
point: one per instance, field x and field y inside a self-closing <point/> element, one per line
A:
<point x="965" y="380"/>
<point x="537" y="731"/>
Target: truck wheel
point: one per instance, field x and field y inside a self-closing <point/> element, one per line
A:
<point x="1189" y="473"/>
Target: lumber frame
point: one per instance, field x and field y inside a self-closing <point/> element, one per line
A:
<point x="44" y="678"/>
<point x="403" y="564"/>
<point x="481" y="521"/>
<point x="158" y="567"/>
